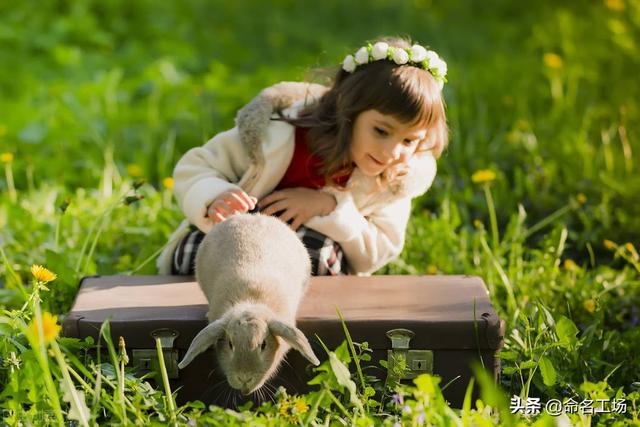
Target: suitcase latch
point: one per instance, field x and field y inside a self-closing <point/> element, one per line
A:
<point x="413" y="362"/>
<point x="146" y="360"/>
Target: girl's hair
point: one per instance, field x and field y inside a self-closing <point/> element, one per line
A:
<point x="409" y="93"/>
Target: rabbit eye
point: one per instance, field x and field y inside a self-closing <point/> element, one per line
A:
<point x="264" y="344"/>
<point x="230" y="345"/>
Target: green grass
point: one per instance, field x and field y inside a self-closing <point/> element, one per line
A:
<point x="99" y="95"/>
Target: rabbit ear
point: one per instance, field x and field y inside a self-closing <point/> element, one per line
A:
<point x="295" y="338"/>
<point x="205" y="339"/>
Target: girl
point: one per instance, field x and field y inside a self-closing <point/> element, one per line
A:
<point x="339" y="164"/>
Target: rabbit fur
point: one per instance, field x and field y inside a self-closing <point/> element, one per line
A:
<point x="254" y="271"/>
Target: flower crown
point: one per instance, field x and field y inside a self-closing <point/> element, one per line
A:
<point x="415" y="55"/>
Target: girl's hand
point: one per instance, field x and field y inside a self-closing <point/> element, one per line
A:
<point x="229" y="203"/>
<point x="298" y="204"/>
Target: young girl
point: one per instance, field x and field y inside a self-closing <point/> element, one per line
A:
<point x="339" y="164"/>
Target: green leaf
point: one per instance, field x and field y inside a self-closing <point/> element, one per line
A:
<point x="509" y="370"/>
<point x="316" y="380"/>
<point x="58" y="263"/>
<point x="529" y="364"/>
<point x="547" y="315"/>
<point x="427" y="383"/>
<point x="369" y="391"/>
<point x="515" y="334"/>
<point x="341" y="372"/>
<point x="466" y="404"/>
<point x="78" y="410"/>
<point x="508" y="355"/>
<point x="566" y="331"/>
<point x="548" y="372"/>
<point x="342" y="352"/>
<point x="343" y="376"/>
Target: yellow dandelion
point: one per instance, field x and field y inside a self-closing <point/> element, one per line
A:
<point x="6" y="157"/>
<point x="632" y="251"/>
<point x="581" y="198"/>
<point x="50" y="327"/>
<point x="570" y="265"/>
<point x="589" y="305"/>
<point x="168" y="183"/>
<point x="432" y="269"/>
<point x="134" y="170"/>
<point x="284" y="408"/>
<point x="300" y="405"/>
<point x="42" y="274"/>
<point x="3" y="130"/>
<point x="617" y="5"/>
<point x="609" y="244"/>
<point x="483" y="175"/>
<point x="552" y="60"/>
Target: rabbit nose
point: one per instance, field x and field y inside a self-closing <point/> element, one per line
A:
<point x="244" y="385"/>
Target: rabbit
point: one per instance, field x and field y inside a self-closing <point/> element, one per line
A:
<point x="254" y="271"/>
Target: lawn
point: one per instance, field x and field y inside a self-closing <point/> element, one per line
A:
<point x="537" y="192"/>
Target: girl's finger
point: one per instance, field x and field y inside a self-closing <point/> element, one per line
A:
<point x="287" y="215"/>
<point x="276" y="207"/>
<point x="230" y="203"/>
<point x="217" y="217"/>
<point x="249" y="200"/>
<point x="222" y="207"/>
<point x="273" y="197"/>
<point x="237" y="202"/>
<point x="297" y="222"/>
<point x="211" y="210"/>
<point x="234" y="205"/>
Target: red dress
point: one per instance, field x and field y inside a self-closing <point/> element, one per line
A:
<point x="303" y="171"/>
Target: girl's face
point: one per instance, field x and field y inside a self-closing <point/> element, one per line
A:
<point x="380" y="140"/>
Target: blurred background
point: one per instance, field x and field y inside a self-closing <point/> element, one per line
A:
<point x="98" y="100"/>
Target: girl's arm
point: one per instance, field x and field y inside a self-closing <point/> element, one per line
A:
<point x="204" y="173"/>
<point x="368" y="242"/>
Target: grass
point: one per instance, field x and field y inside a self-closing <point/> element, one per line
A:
<point x="101" y="96"/>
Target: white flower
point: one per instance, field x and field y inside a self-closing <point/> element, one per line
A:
<point x="399" y="56"/>
<point x="362" y="56"/>
<point x="436" y="65"/>
<point x="379" y="50"/>
<point x="431" y="56"/>
<point x="418" y="53"/>
<point x="349" y="64"/>
<point x="439" y="67"/>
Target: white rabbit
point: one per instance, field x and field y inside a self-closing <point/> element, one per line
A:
<point x="254" y="271"/>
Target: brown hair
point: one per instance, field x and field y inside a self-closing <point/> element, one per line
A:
<point x="407" y="92"/>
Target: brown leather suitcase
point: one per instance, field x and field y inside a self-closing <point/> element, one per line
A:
<point x="440" y="324"/>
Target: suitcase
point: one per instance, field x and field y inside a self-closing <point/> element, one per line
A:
<point x="439" y="324"/>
